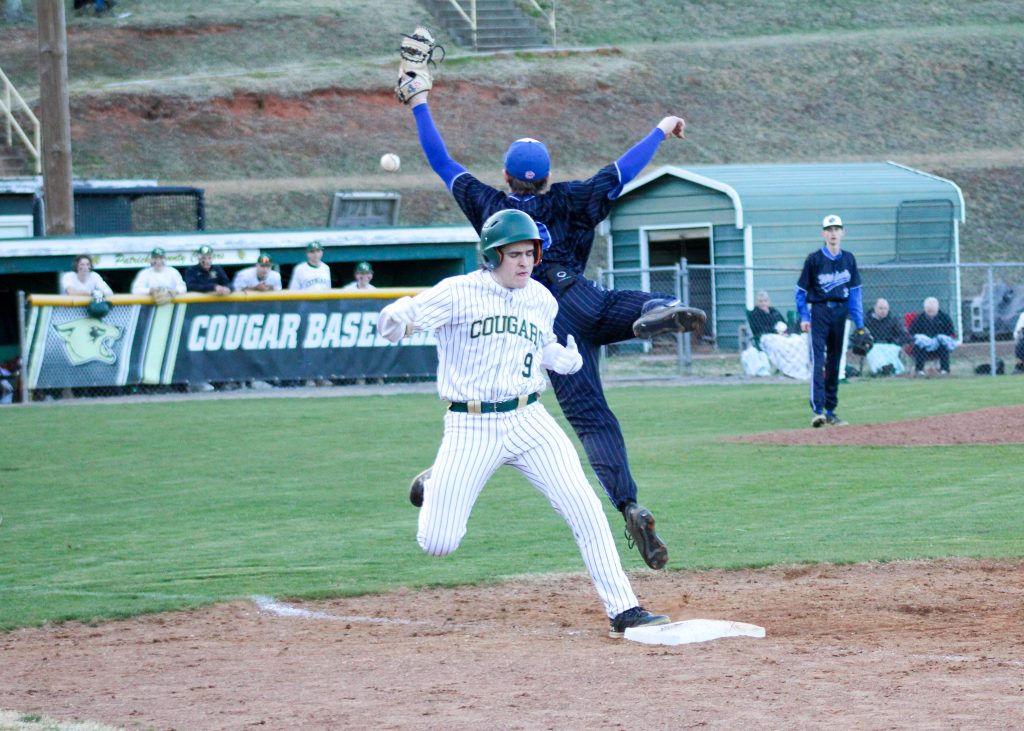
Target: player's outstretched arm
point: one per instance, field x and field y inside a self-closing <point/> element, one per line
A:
<point x="637" y="157"/>
<point x="433" y="146"/>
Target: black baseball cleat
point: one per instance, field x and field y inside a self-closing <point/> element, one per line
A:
<point x="818" y="421"/>
<point x="635" y="617"/>
<point x="673" y="319"/>
<point x="640" y="532"/>
<point x="416" y="488"/>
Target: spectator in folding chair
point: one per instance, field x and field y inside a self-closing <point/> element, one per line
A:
<point x="788" y="353"/>
<point x="934" y="336"/>
<point x="890" y="336"/>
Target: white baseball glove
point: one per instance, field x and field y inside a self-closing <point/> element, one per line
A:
<point x="564" y="359"/>
<point x="397" y="319"/>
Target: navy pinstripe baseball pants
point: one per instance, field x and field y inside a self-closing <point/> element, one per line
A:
<point x="596" y="316"/>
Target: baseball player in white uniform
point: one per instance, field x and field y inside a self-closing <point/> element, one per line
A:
<point x="260" y="278"/>
<point x="312" y="274"/>
<point x="158" y="276"/>
<point x="494" y="336"/>
<point x="363" y="274"/>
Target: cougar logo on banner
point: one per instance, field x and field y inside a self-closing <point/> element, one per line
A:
<point x="89" y="339"/>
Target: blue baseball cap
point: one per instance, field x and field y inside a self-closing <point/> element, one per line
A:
<point x="527" y="159"/>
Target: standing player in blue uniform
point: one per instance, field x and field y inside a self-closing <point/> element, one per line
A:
<point x="827" y="293"/>
<point x="566" y="215"/>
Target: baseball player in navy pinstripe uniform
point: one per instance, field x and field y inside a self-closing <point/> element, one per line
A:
<point x="566" y="215"/>
<point x="495" y="332"/>
<point x="827" y="293"/>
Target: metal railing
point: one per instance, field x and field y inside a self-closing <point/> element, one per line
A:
<point x="11" y="101"/>
<point x="471" y="18"/>
<point x="549" y="18"/>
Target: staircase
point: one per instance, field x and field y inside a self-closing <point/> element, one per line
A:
<point x="501" y="25"/>
<point x="19" y="139"/>
<point x="13" y="162"/>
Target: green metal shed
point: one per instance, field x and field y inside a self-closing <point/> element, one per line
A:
<point x="761" y="221"/>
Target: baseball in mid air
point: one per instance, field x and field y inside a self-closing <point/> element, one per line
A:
<point x="390" y="162"/>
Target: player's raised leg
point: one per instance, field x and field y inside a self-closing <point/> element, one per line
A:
<point x="467" y="458"/>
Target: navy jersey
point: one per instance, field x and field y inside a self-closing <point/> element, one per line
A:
<point x="826" y="278"/>
<point x="198" y="279"/>
<point x="566" y="214"/>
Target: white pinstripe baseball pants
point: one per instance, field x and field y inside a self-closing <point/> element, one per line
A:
<point x="529" y="439"/>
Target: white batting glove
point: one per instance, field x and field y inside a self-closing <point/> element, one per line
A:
<point x="673" y="127"/>
<point x="397" y="319"/>
<point x="564" y="359"/>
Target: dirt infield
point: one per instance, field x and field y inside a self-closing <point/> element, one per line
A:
<point x="869" y="646"/>
<point x="998" y="425"/>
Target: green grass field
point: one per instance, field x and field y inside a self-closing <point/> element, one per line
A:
<point x="110" y="510"/>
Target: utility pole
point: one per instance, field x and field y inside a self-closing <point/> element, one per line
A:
<point x="55" y="119"/>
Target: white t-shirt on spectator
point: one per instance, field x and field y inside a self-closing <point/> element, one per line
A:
<point x="306" y="277"/>
<point x="93" y="282"/>
<point x="149" y="279"/>
<point x="246" y="278"/>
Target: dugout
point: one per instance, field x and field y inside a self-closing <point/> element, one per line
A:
<point x="746" y="217"/>
<point x="401" y="257"/>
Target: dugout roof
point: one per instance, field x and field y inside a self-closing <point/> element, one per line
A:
<point x="761" y="192"/>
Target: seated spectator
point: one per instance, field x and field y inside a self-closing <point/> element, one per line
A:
<point x="158" y="277"/>
<point x="788" y="353"/>
<point x="933" y="335"/>
<point x="363" y="274"/>
<point x="763" y="317"/>
<point x="312" y="274"/>
<point x="83" y="281"/>
<point x="1018" y="347"/>
<point x="890" y="336"/>
<point x="9" y="374"/>
<point x="205" y="276"/>
<point x="260" y="278"/>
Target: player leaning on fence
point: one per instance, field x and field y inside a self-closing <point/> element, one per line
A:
<point x="495" y="337"/>
<point x="827" y="293"/>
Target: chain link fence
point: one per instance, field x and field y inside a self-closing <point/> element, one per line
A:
<point x="983" y="300"/>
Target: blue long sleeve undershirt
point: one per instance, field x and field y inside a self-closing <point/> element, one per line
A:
<point x="636" y="157"/>
<point x="801" y="305"/>
<point x="630" y="164"/>
<point x="856" y="307"/>
<point x="434" y="147"/>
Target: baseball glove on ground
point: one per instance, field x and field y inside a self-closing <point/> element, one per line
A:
<point x="162" y="295"/>
<point x="417" y="59"/>
<point x="861" y="342"/>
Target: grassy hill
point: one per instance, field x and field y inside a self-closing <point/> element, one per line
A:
<point x="272" y="106"/>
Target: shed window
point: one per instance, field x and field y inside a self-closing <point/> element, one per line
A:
<point x="924" y="231"/>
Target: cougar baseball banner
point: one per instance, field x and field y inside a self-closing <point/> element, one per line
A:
<point x="224" y="339"/>
<point x="293" y="340"/>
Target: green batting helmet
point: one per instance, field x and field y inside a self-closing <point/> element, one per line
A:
<point x="98" y="309"/>
<point x="503" y="228"/>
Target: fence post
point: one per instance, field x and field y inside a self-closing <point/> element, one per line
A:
<point x="23" y="367"/>
<point x="683" y="293"/>
<point x="991" y="320"/>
